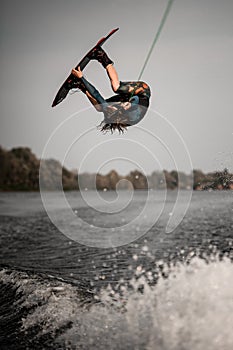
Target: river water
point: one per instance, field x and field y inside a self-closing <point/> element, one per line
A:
<point x="162" y="290"/>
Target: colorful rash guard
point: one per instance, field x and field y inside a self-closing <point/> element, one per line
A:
<point x="138" y="94"/>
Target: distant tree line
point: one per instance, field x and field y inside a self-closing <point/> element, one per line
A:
<point x="19" y="171"/>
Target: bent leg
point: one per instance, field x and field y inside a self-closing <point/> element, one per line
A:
<point x="113" y="76"/>
<point x="101" y="56"/>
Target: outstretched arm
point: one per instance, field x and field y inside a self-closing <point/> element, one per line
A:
<point x="78" y="73"/>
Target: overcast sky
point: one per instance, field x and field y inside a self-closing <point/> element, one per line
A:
<point x="190" y="73"/>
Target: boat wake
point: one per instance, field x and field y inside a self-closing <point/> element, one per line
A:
<point x="190" y="307"/>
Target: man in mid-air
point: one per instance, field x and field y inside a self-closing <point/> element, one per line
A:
<point x="124" y="109"/>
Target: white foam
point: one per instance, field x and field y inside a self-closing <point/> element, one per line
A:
<point x="191" y="309"/>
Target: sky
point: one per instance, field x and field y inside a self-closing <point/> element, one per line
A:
<point x="190" y="72"/>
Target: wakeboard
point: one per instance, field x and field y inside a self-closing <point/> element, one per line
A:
<point x="69" y="83"/>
